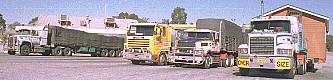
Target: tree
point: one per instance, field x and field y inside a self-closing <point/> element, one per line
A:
<point x="2" y="23"/>
<point x="125" y="15"/>
<point x="179" y="16"/>
<point x="165" y="21"/>
<point x="33" y="20"/>
<point x="329" y="42"/>
<point x="13" y="25"/>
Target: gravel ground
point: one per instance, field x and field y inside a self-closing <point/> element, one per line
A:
<point x="106" y="68"/>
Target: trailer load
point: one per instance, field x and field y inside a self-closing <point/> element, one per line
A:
<point x="213" y="43"/>
<point x="61" y="41"/>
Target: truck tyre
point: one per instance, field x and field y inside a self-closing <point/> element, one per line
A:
<point x="310" y="65"/>
<point x="116" y="54"/>
<point x="104" y="53"/>
<point x="68" y="52"/>
<point x="120" y="53"/>
<point x="223" y="63"/>
<point x="111" y="53"/>
<point x="244" y="71"/>
<point x="230" y="60"/>
<point x="57" y="51"/>
<point x="291" y="74"/>
<point x="25" y="50"/>
<point x="162" y="60"/>
<point x="206" y="63"/>
<point x="11" y="52"/>
<point x="301" y="70"/>
<point x="136" y="62"/>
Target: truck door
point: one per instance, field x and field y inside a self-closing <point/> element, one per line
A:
<point x="43" y="37"/>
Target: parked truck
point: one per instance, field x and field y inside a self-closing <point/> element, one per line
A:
<point x="148" y="42"/>
<point x="60" y="41"/>
<point x="275" y="44"/>
<point x="214" y="43"/>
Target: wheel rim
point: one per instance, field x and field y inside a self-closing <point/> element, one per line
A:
<point x="162" y="59"/>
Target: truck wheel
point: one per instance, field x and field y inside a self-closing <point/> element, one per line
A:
<point x="11" y="52"/>
<point x="111" y="53"/>
<point x="68" y="52"/>
<point x="291" y="74"/>
<point x="25" y="50"/>
<point x="243" y="71"/>
<point x="104" y="53"/>
<point x="223" y="63"/>
<point x="230" y="60"/>
<point x="116" y="54"/>
<point x="206" y="63"/>
<point x="57" y="51"/>
<point x="301" y="70"/>
<point x="120" y="53"/>
<point x="162" y="60"/>
<point x="310" y="66"/>
<point x="136" y="62"/>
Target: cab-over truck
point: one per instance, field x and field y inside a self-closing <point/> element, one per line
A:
<point x="275" y="44"/>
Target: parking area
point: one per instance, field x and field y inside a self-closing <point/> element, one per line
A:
<point x="83" y="67"/>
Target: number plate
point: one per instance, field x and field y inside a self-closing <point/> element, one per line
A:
<point x="243" y="63"/>
<point x="261" y="60"/>
<point x="283" y="64"/>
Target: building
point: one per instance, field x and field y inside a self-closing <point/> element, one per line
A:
<point x="82" y="22"/>
<point x="315" y="26"/>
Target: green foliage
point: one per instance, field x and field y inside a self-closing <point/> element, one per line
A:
<point x="165" y="21"/>
<point x="179" y="16"/>
<point x="33" y="20"/>
<point x="329" y="42"/>
<point x="125" y="15"/>
<point x="13" y="25"/>
<point x="2" y="23"/>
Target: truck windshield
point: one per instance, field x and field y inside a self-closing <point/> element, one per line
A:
<point x="198" y="35"/>
<point x="141" y="30"/>
<point x="271" y="26"/>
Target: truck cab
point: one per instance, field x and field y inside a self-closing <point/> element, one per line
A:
<point x="274" y="44"/>
<point x="26" y="39"/>
<point x="148" y="42"/>
<point x="193" y="48"/>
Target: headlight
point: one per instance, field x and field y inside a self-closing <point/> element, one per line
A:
<point x="284" y="51"/>
<point x="242" y="50"/>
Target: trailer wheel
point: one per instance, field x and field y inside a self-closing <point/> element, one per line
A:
<point x="223" y="63"/>
<point x="162" y="60"/>
<point x="11" y="52"/>
<point x="310" y="65"/>
<point x="111" y="53"/>
<point x="57" y="51"/>
<point x="68" y="52"/>
<point x="206" y="63"/>
<point x="25" y="50"/>
<point x="116" y="53"/>
<point x="104" y="53"/>
<point x="230" y="61"/>
<point x="244" y="71"/>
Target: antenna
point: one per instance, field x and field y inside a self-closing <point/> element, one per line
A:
<point x="262" y="7"/>
<point x="105" y="10"/>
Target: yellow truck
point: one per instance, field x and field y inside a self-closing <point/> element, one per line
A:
<point x="148" y="42"/>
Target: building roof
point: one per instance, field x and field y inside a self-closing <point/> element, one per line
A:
<point x="298" y="9"/>
<point x="95" y="23"/>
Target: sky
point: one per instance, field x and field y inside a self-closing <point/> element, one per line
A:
<point x="156" y="10"/>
